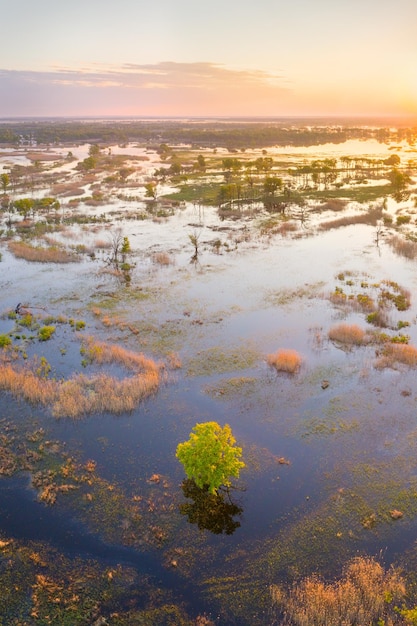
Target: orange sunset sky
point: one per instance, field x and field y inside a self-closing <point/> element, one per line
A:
<point x="212" y="58"/>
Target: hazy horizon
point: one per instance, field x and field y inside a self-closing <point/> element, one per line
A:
<point x="270" y="60"/>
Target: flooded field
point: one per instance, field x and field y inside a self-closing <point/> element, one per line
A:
<point x="145" y="289"/>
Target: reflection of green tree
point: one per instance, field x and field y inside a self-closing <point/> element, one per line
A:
<point x="210" y="511"/>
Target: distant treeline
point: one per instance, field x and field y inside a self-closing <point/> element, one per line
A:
<point x="232" y="134"/>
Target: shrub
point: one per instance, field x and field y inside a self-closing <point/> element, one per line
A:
<point x="378" y="318"/>
<point x="46" y="332"/>
<point x="5" y="341"/>
<point x="400" y="296"/>
<point x="285" y="361"/>
<point x="365" y="301"/>
<point x="348" y="334"/>
<point x="403" y="219"/>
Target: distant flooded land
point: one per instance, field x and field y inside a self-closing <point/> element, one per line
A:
<point x="156" y="274"/>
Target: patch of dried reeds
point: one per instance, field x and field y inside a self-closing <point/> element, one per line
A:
<point x="366" y="594"/>
<point x="285" y="361"/>
<point x="52" y="254"/>
<point x="350" y="334"/>
<point x="66" y="190"/>
<point x="403" y="247"/>
<point x="333" y="204"/>
<point x="82" y="395"/>
<point x="161" y="258"/>
<point x="101" y="352"/>
<point x="398" y="353"/>
<point x="371" y="217"/>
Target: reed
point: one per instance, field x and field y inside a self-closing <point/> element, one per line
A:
<point x="82" y="395"/>
<point x="37" y="254"/>
<point x="350" y="334"/>
<point x="366" y="594"/>
<point x="285" y="361"/>
<point x="399" y="353"/>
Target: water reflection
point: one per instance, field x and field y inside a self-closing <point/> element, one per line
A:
<point x="213" y="512"/>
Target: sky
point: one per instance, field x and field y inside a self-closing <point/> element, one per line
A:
<point x="186" y="58"/>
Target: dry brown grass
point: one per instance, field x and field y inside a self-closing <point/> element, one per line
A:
<point x="333" y="204"/>
<point x="285" y="361"/>
<point x="53" y="254"/>
<point x="65" y="190"/>
<point x="361" y="218"/>
<point x="101" y="352"/>
<point x="102" y="243"/>
<point x="403" y="247"/>
<point x="82" y="395"/>
<point x="162" y="258"/>
<point x="350" y="334"/>
<point x="365" y="595"/>
<point x="397" y="353"/>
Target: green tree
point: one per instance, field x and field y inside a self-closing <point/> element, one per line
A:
<point x="24" y="206"/>
<point x="271" y="184"/>
<point x="151" y="190"/>
<point x="5" y="182"/>
<point x="210" y="456"/>
<point x="126" y="249"/>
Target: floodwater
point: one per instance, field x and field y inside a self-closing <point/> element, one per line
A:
<point x="320" y="459"/>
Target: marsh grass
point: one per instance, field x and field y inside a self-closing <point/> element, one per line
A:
<point x="235" y="387"/>
<point x="38" y="254"/>
<point x="161" y="258"/>
<point x="82" y="395"/>
<point x="403" y="247"/>
<point x="350" y="334"/>
<point x="285" y="361"/>
<point x="366" y="594"/>
<point x="217" y="360"/>
<point x="397" y="353"/>
<point x="395" y="293"/>
<point x="371" y="217"/>
<point x="101" y="352"/>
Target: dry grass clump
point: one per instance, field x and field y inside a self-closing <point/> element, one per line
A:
<point x="102" y="244"/>
<point x="333" y="204"/>
<point x="66" y="190"/>
<point x="161" y="258"/>
<point x="82" y="395"/>
<point x="398" y="353"/>
<point x="403" y="247"/>
<point x="286" y="227"/>
<point x="25" y="383"/>
<point x="52" y="254"/>
<point x="285" y="361"/>
<point x="101" y="352"/>
<point x="371" y="217"/>
<point x="365" y="595"/>
<point x="350" y="334"/>
<point x="103" y="394"/>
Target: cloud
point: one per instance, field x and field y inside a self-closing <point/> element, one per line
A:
<point x="186" y="88"/>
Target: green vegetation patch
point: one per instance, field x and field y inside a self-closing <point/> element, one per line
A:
<point x="317" y="426"/>
<point x="288" y="296"/>
<point x="228" y="388"/>
<point x="219" y="361"/>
